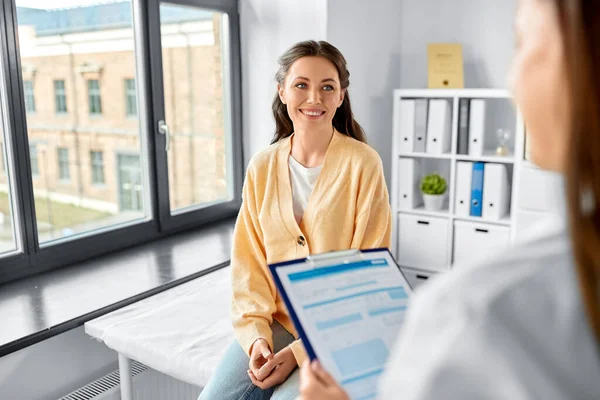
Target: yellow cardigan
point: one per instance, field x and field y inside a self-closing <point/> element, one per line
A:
<point x="348" y="208"/>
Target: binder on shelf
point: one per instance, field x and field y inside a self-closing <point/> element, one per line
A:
<point x="438" y="126"/>
<point x="408" y="185"/>
<point x="420" y="137"/>
<point x="495" y="191"/>
<point x="477" y="179"/>
<point x="464" y="172"/>
<point x="476" y="127"/>
<point x="407" y="125"/>
<point x="463" y="126"/>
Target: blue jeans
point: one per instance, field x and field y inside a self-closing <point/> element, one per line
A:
<point x="230" y="380"/>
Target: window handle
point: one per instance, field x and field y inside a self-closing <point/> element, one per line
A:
<point x="163" y="129"/>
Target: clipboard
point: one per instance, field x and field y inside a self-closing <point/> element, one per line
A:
<point x="347" y="307"/>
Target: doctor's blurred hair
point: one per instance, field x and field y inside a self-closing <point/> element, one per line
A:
<point x="580" y="26"/>
<point x="343" y="120"/>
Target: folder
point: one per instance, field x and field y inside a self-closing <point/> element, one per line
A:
<point x="476" y="127"/>
<point x="407" y="126"/>
<point x="409" y="193"/>
<point x="438" y="126"/>
<point x="464" y="172"/>
<point x="463" y="126"/>
<point x="495" y="191"/>
<point x="477" y="178"/>
<point x="421" y="106"/>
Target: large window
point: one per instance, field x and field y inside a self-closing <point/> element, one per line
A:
<point x="120" y="152"/>
<point x="60" y="97"/>
<point x="94" y="99"/>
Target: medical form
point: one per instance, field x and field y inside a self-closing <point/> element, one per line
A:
<point x="348" y="308"/>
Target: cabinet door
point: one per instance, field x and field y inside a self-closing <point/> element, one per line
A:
<point x="423" y="242"/>
<point x="474" y="241"/>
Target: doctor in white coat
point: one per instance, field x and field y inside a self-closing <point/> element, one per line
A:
<point x="526" y="323"/>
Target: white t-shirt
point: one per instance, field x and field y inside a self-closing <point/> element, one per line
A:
<point x="303" y="182"/>
<point x="509" y="327"/>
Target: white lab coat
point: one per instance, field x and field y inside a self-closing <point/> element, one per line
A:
<point x="511" y="327"/>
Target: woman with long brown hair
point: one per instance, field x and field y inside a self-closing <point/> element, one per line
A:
<point x="526" y="324"/>
<point x="319" y="187"/>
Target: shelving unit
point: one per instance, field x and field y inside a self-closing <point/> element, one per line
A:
<point x="430" y="241"/>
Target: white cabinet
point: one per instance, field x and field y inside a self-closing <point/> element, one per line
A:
<point x="475" y="240"/>
<point x="423" y="242"/>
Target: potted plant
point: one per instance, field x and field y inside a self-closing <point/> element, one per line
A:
<point x="433" y="187"/>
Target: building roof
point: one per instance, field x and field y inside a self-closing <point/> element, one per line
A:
<point x="98" y="17"/>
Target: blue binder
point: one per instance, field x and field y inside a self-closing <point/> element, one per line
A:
<point x="477" y="189"/>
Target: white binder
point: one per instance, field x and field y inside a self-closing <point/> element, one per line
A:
<point x="409" y="194"/>
<point x="464" y="173"/>
<point x="438" y="126"/>
<point x="495" y="191"/>
<point x="407" y="126"/>
<point x="476" y="127"/>
<point x="421" y="106"/>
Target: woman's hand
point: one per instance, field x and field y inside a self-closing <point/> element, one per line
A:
<point x="259" y="357"/>
<point x="280" y="366"/>
<point x="316" y="384"/>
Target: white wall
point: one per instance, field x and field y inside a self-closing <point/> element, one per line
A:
<point x="54" y="367"/>
<point x="385" y="44"/>
<point x="484" y="28"/>
<point x="366" y="32"/>
<point x="268" y="28"/>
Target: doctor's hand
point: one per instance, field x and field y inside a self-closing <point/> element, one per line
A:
<point x="280" y="367"/>
<point x="316" y="384"/>
<point x="260" y="354"/>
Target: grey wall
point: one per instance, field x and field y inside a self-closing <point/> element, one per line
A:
<point x="385" y="44"/>
<point x="268" y="28"/>
<point x="484" y="28"/>
<point x="54" y="367"/>
<point x="366" y="32"/>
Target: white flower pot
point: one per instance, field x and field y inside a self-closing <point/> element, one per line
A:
<point x="433" y="202"/>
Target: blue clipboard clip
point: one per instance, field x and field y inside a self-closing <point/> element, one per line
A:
<point x="345" y="256"/>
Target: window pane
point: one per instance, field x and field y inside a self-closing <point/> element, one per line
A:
<point x="8" y="235"/>
<point x="196" y="83"/>
<point x="86" y="153"/>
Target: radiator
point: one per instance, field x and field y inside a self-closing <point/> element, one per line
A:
<point x="148" y="384"/>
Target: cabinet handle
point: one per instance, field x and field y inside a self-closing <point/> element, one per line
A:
<point x="423" y="222"/>
<point x="422" y="277"/>
<point x="481" y="230"/>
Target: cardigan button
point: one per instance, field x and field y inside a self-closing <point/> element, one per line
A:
<point x="301" y="241"/>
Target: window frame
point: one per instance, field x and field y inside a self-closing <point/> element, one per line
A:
<point x="206" y="214"/>
<point x="35" y="258"/>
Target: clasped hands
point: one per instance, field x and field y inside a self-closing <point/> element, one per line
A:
<point x="268" y="369"/>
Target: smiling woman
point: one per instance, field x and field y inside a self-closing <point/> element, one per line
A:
<point x="317" y="188"/>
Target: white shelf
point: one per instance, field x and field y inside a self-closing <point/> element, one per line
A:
<point x="504" y="221"/>
<point x="446" y="156"/>
<point x="489" y="157"/>
<point x="422" y="211"/>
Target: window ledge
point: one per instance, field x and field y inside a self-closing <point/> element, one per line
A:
<point x="39" y="307"/>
